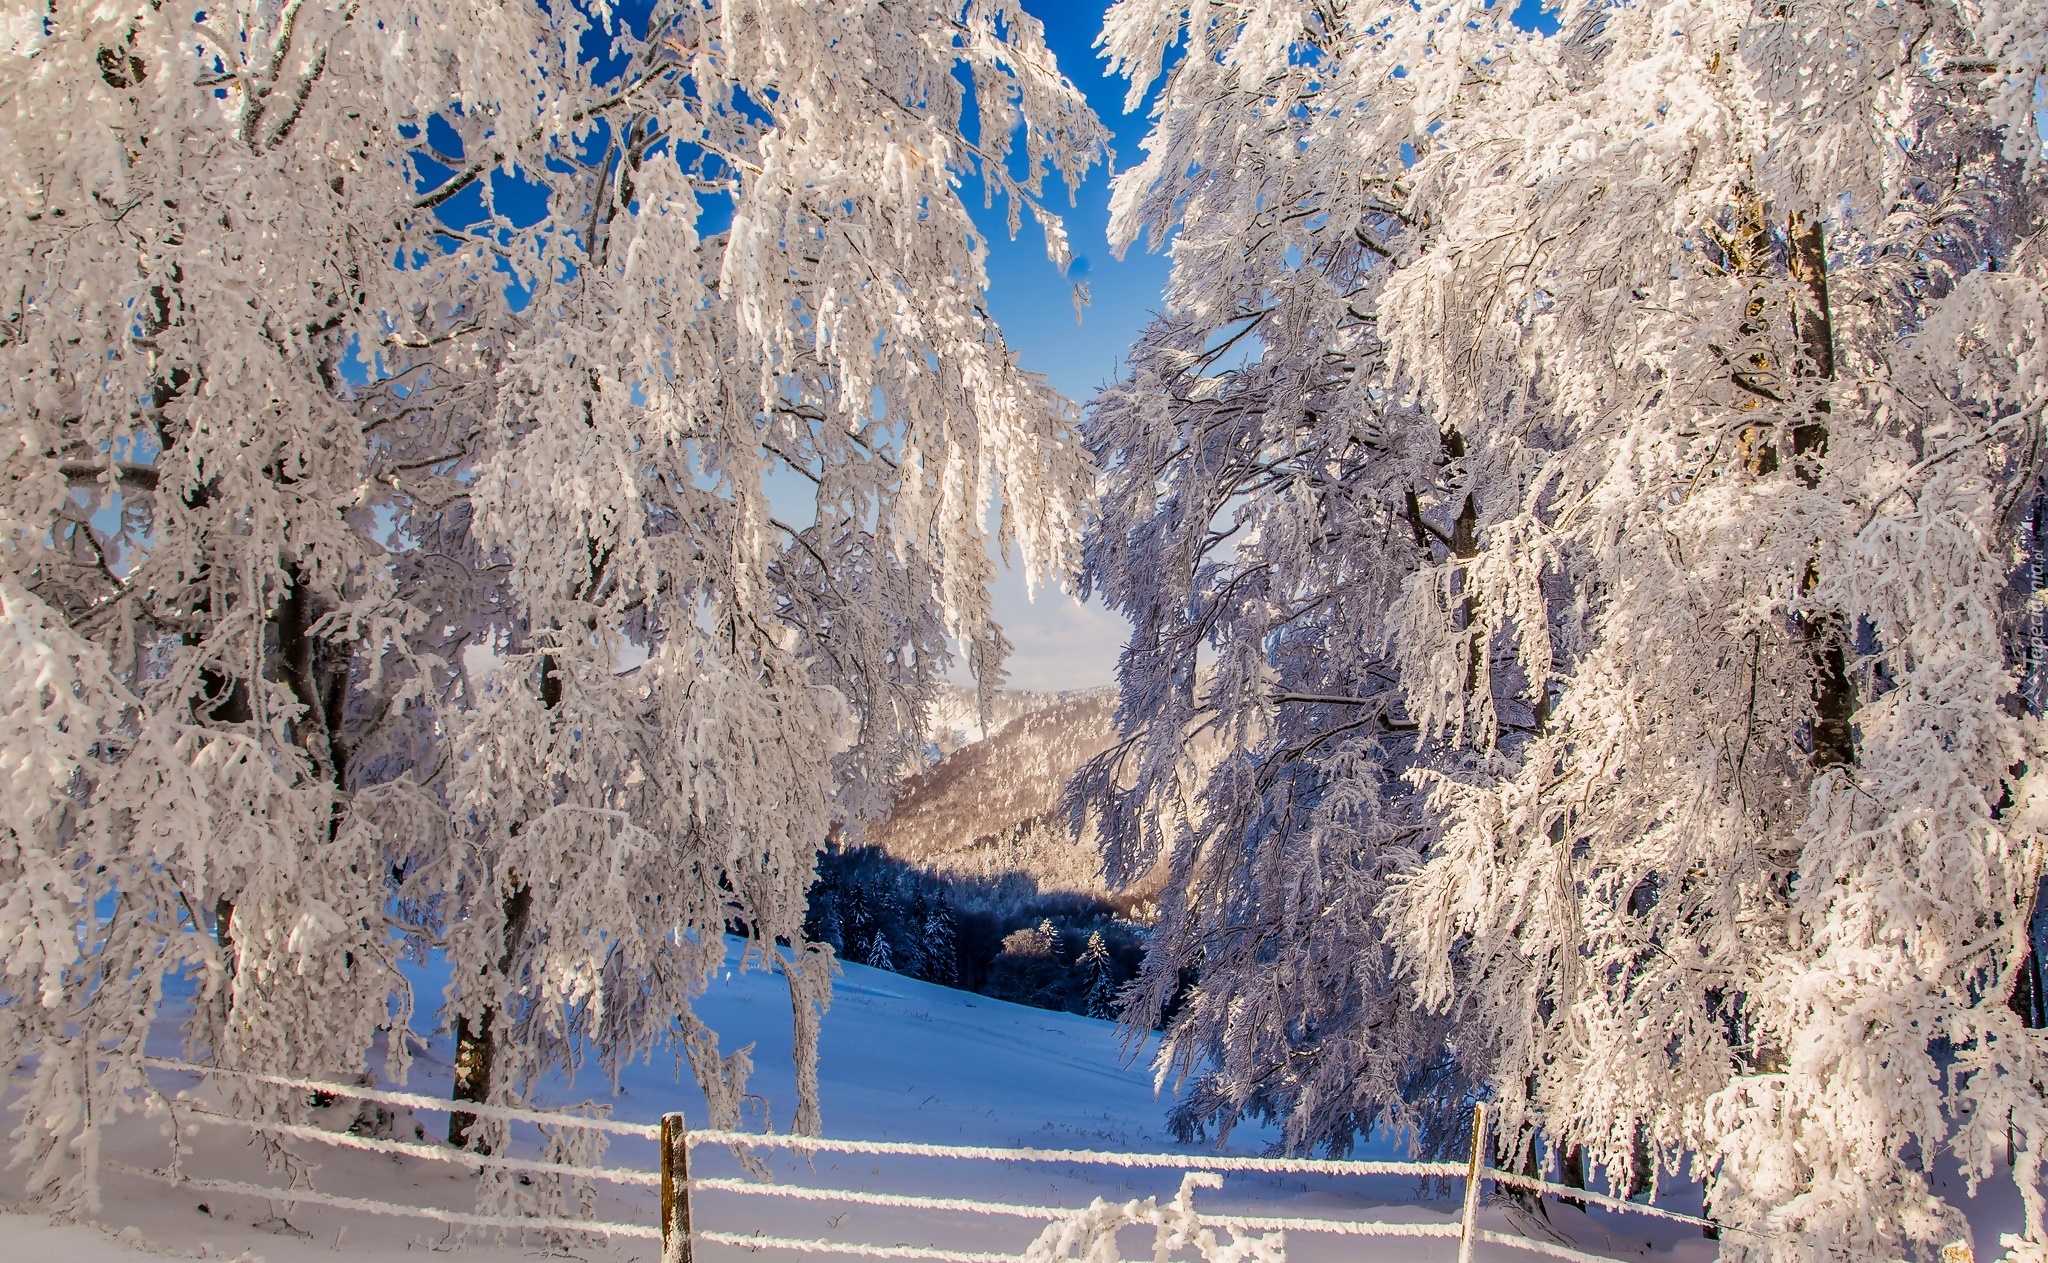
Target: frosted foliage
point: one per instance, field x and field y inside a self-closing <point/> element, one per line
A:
<point x="1090" y="1235"/>
<point x="505" y="1191"/>
<point x="1595" y="465"/>
<point x="352" y="347"/>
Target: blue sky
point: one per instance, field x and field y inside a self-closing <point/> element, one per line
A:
<point x="1061" y="644"/>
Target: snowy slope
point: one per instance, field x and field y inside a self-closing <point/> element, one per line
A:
<point x="992" y="807"/>
<point x="902" y="1060"/>
<point x="955" y="719"/>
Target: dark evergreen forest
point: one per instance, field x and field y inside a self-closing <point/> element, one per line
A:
<point x="1002" y="937"/>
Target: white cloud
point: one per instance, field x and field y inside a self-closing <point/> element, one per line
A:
<point x="1059" y="643"/>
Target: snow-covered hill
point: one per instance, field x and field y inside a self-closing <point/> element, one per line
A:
<point x="901" y="1060"/>
<point x="991" y="807"/>
<point x="955" y="718"/>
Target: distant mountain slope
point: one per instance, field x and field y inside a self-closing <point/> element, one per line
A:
<point x="991" y="808"/>
<point x="956" y="721"/>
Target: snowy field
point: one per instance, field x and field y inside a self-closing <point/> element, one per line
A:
<point x="902" y="1060"/>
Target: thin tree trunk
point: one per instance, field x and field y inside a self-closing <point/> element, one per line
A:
<point x="1463" y="544"/>
<point x="476" y="1046"/>
<point x="1826" y="635"/>
<point x="317" y="675"/>
<point x="231" y="707"/>
<point x="2027" y="998"/>
<point x="1573" y="1173"/>
<point x="1643" y="1162"/>
<point x="318" y="678"/>
<point x="226" y="700"/>
<point x="224" y="931"/>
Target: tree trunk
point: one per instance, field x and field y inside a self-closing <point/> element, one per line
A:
<point x="318" y="678"/>
<point x="1573" y="1173"/>
<point x="224" y="931"/>
<point x="2026" y="998"/>
<point x="476" y="1048"/>
<point x="1826" y="635"/>
<point x="1643" y="1162"/>
<point x="1463" y="544"/>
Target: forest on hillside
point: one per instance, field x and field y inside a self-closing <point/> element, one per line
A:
<point x="1002" y="938"/>
<point x="996" y="806"/>
<point x="977" y="877"/>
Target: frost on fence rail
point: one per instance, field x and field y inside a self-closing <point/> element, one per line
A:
<point x="431" y="1152"/>
<point x="530" y="1218"/>
<point x="369" y="1206"/>
<point x="1091" y="1157"/>
<point x="413" y="1100"/>
<point x="805" y="1246"/>
<point x="855" y="1197"/>
<point x="908" y="1201"/>
<point x="820" y="1144"/>
<point x="1571" y="1193"/>
<point x="1089" y="1235"/>
<point x="1535" y="1185"/>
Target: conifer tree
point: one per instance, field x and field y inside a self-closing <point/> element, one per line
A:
<point x="879" y="956"/>
<point x="857" y="920"/>
<point x="940" y="951"/>
<point x="1098" y="973"/>
<point x="821" y="918"/>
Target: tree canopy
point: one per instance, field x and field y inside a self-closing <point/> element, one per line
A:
<point x="1584" y="482"/>
<point x="389" y="395"/>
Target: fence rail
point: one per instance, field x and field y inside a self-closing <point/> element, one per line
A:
<point x="1070" y="1232"/>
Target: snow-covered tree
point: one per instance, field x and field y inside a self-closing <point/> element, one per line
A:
<point x="216" y="676"/>
<point x="1261" y="507"/>
<point x="1098" y="977"/>
<point x="1607" y="545"/>
<point x="878" y="954"/>
<point x="342" y="339"/>
<point x="689" y="661"/>
<point x="914" y="913"/>
<point x="938" y="948"/>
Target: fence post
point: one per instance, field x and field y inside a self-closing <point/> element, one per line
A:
<point x="1469" y="1229"/>
<point x="675" y="1190"/>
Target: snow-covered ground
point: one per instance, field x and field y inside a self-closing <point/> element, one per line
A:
<point x="901" y="1060"/>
